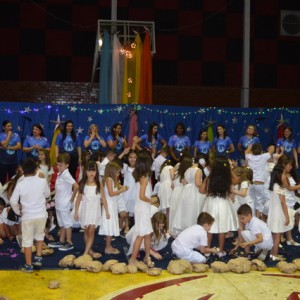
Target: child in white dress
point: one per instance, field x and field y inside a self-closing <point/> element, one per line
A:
<point x="218" y="204"/>
<point x="45" y="164"/>
<point x="142" y="209"/>
<point x="109" y="220"/>
<point x="89" y="195"/>
<point x="129" y="196"/>
<point x="279" y="220"/>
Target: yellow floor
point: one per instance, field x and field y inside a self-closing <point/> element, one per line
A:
<point x="83" y="285"/>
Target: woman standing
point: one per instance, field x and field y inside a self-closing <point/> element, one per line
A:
<point x="9" y="144"/>
<point x="94" y="142"/>
<point x="203" y="145"/>
<point x="35" y="141"/>
<point x="68" y="142"/>
<point x="116" y="141"/>
<point x="222" y="143"/>
<point x="178" y="142"/>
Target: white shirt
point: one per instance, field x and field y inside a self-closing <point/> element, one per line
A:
<point x="246" y="199"/>
<point x="258" y="164"/>
<point x="156" y="165"/>
<point x="45" y="170"/>
<point x="290" y="197"/>
<point x="32" y="192"/>
<point x="192" y="237"/>
<point x="102" y="165"/>
<point x="257" y="226"/>
<point x="63" y="190"/>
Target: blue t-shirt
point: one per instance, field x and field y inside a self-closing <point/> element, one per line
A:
<point x="95" y="144"/>
<point x="119" y="145"/>
<point x="31" y="141"/>
<point x="67" y="145"/>
<point x="179" y="143"/>
<point x="288" y="146"/>
<point x="146" y="144"/>
<point x="245" y="141"/>
<point x="203" y="146"/>
<point x="8" y="156"/>
<point x="222" y="145"/>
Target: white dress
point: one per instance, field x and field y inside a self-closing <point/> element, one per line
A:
<point x="142" y="212"/>
<point x="223" y="212"/>
<point x="110" y="227"/>
<point x="165" y="190"/>
<point x="90" y="207"/>
<point x="129" y="195"/>
<point x="276" y="218"/>
<point x="175" y="214"/>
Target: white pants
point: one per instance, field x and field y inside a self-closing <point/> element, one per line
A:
<point x="267" y="242"/>
<point x="257" y="193"/>
<point x="188" y="254"/>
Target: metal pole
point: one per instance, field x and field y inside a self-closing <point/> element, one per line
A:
<point x="114" y="9"/>
<point x="246" y="55"/>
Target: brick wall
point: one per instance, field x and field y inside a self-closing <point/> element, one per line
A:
<point x="85" y="92"/>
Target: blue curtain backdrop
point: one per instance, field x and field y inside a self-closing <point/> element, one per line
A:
<point x="267" y="120"/>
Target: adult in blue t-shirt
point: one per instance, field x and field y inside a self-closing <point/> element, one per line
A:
<point x="68" y="142"/>
<point x="178" y="142"/>
<point x="35" y="141"/>
<point x="222" y="145"/>
<point x="287" y="145"/>
<point x="152" y="141"/>
<point x="94" y="142"/>
<point x="202" y="145"/>
<point x="116" y="141"/>
<point x="249" y="138"/>
<point x="10" y="143"/>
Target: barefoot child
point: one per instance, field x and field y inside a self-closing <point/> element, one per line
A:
<point x="194" y="237"/>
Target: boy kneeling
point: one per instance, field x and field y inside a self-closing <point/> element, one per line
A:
<point x="194" y="237"/>
<point x="254" y="232"/>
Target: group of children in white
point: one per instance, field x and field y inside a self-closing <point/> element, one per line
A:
<point x="191" y="201"/>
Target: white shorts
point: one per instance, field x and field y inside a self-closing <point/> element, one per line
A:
<point x="64" y="218"/>
<point x="121" y="204"/>
<point x="33" y="230"/>
<point x="188" y="254"/>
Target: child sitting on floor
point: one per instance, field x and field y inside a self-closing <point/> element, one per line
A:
<point x="194" y="237"/>
<point x="254" y="232"/>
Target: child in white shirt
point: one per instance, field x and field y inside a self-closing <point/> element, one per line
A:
<point x="194" y="237"/>
<point x="32" y="192"/>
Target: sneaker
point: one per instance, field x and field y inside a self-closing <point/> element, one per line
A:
<point x="37" y="261"/>
<point x="55" y="244"/>
<point x="66" y="247"/>
<point x="292" y="243"/>
<point x="26" y="268"/>
<point x="263" y="254"/>
<point x="221" y="254"/>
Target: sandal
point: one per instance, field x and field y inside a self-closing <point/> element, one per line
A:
<point x="112" y="251"/>
<point x="95" y="255"/>
<point x="148" y="262"/>
<point x="133" y="261"/>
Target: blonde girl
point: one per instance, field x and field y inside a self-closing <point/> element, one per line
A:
<point x="44" y="164"/>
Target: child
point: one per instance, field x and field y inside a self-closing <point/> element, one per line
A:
<point x="159" y="237"/>
<point x="194" y="237"/>
<point x="45" y="164"/>
<point x="112" y="190"/>
<point x="2" y="224"/>
<point x="257" y="162"/>
<point x="65" y="191"/>
<point x="245" y="176"/>
<point x="142" y="209"/>
<point x="279" y="219"/>
<point x="90" y="194"/>
<point x="254" y="233"/>
<point x="159" y="160"/>
<point x="34" y="214"/>
<point x="218" y="204"/>
<point x="129" y="195"/>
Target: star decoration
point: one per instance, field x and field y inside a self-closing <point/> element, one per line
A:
<point x="201" y="111"/>
<point x="184" y="117"/>
<point x="281" y="121"/>
<point x="79" y="130"/>
<point x="63" y="116"/>
<point x="146" y="122"/>
<point x="226" y="121"/>
<point x="219" y="111"/>
<point x="73" y="108"/>
<point x="161" y="125"/>
<point x="119" y="109"/>
<point x="234" y="120"/>
<point x="57" y="122"/>
<point x="209" y="122"/>
<point x="188" y="129"/>
<point x="27" y="109"/>
<point x="266" y="130"/>
<point x="100" y="111"/>
<point x="107" y="129"/>
<point x="19" y="128"/>
<point x="89" y="119"/>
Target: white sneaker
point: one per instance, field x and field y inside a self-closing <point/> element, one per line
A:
<point x="221" y="254"/>
<point x="292" y="243"/>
